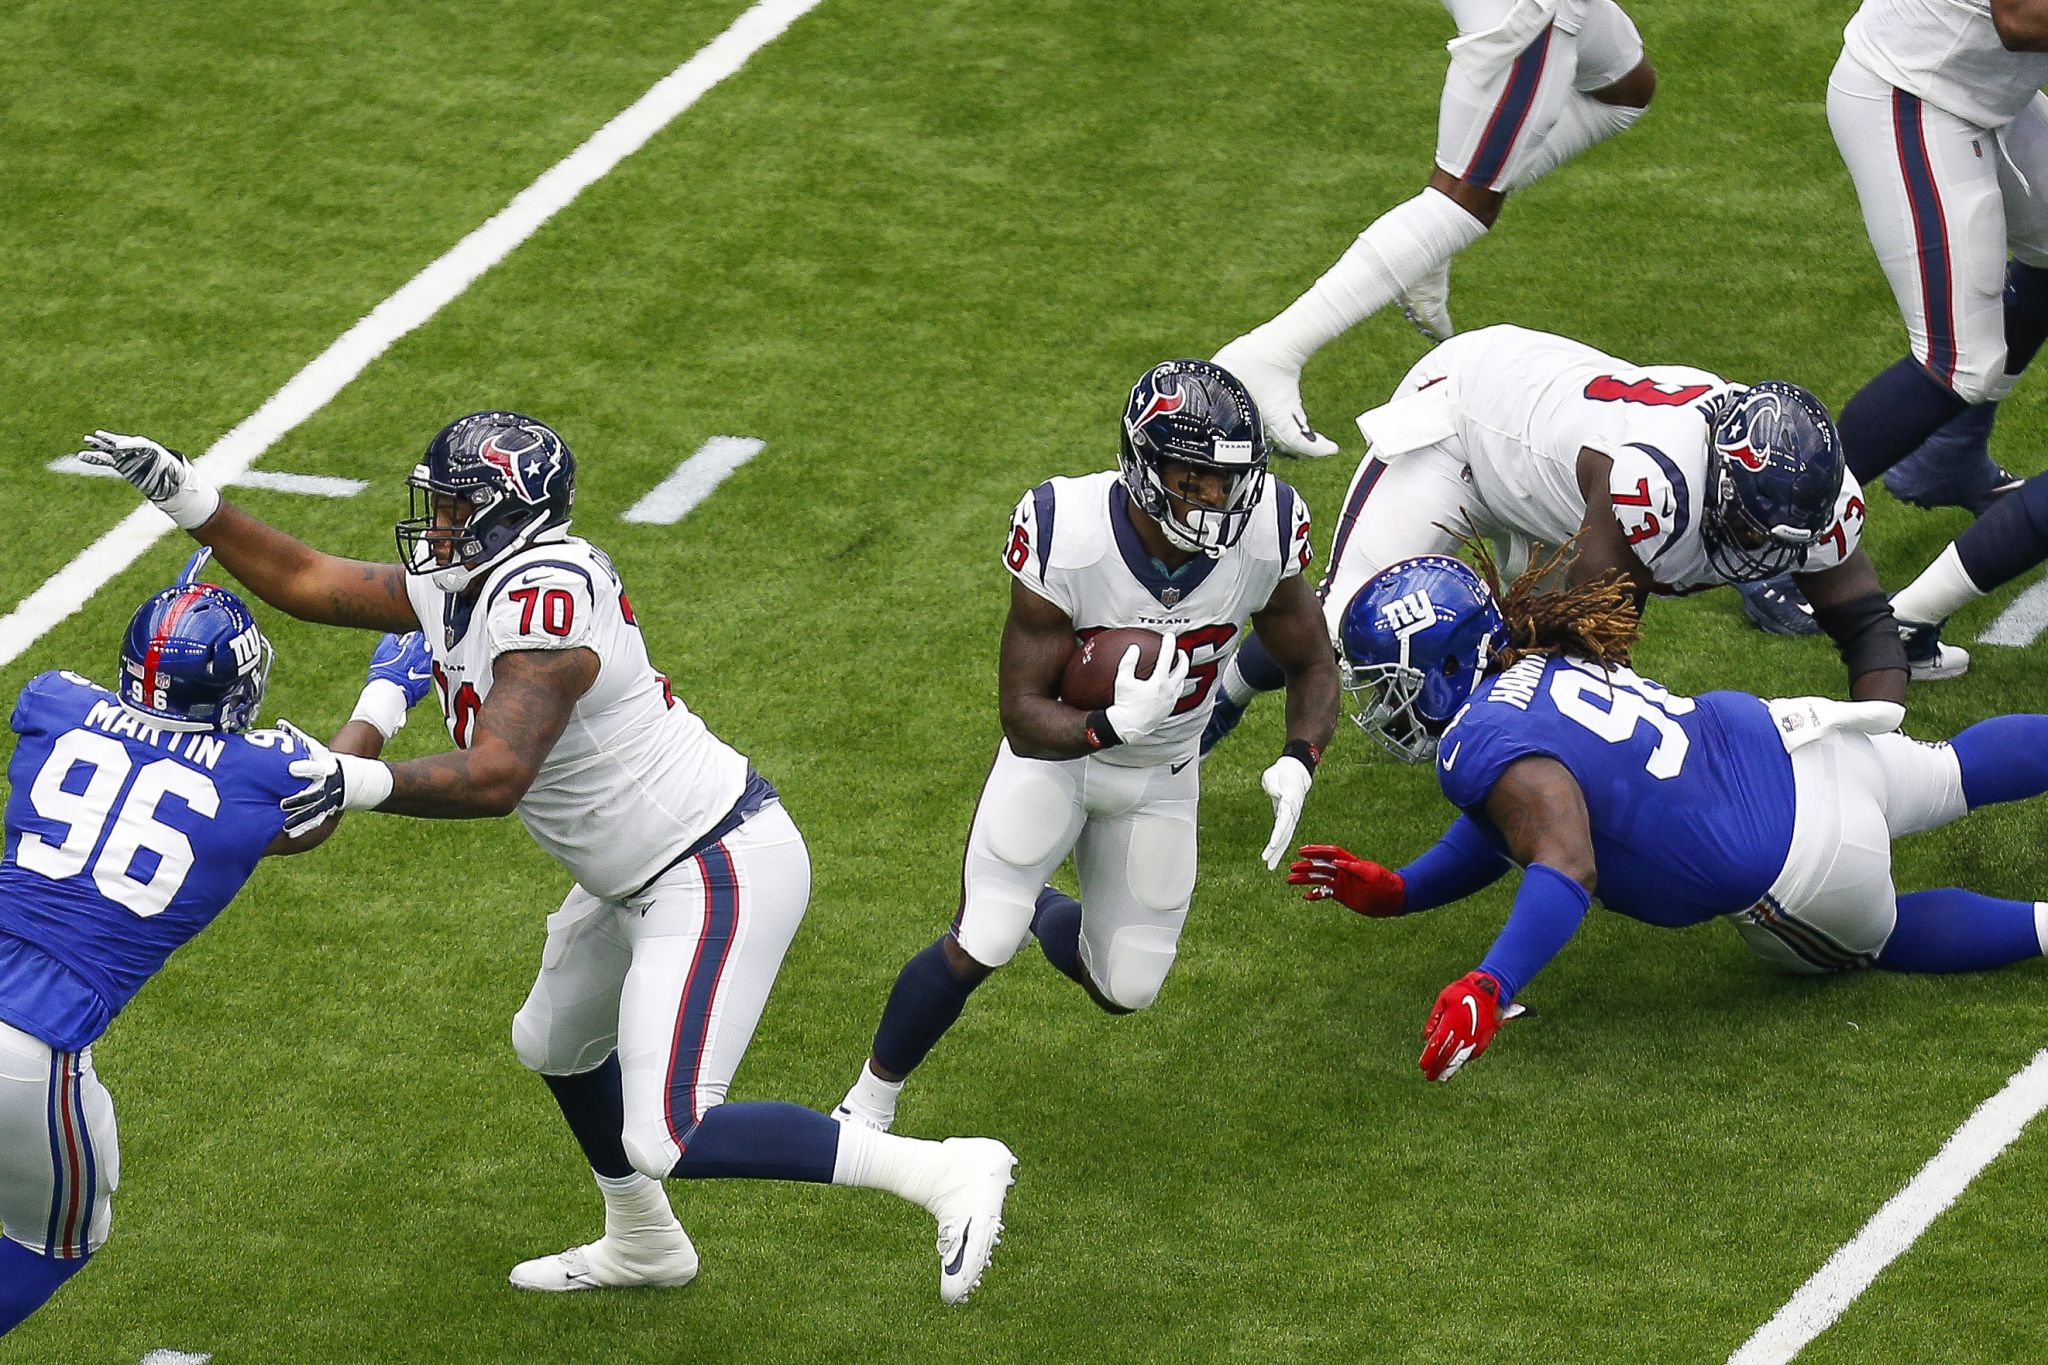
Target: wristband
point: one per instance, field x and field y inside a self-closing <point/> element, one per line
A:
<point x="381" y="707"/>
<point x="1099" y="733"/>
<point x="365" y="782"/>
<point x="1307" y="754"/>
<point x="194" y="504"/>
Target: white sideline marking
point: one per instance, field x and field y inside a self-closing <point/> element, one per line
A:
<point x="229" y="458"/>
<point x="319" y="485"/>
<point x="1897" y="1225"/>
<point x="166" y="1356"/>
<point x="2022" y="621"/>
<point x="669" y="501"/>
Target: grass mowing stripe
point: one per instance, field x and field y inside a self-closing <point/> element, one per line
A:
<point x="1897" y="1225"/>
<point x="418" y="300"/>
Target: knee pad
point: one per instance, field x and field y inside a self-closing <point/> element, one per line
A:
<point x="1139" y="959"/>
<point x="538" y="1049"/>
<point x="1162" y="864"/>
<point x="1981" y="377"/>
<point x="1028" y="820"/>
<point x="649" y="1147"/>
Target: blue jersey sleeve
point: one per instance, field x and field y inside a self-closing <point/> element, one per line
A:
<point x="1477" y="748"/>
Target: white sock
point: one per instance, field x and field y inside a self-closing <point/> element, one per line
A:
<point x="1234" y="685"/>
<point x="872" y="1096"/>
<point x="1585" y="122"/>
<point x="634" y="1207"/>
<point x="871" y="1160"/>
<point x="2041" y="925"/>
<point x="1403" y="245"/>
<point x="1942" y="588"/>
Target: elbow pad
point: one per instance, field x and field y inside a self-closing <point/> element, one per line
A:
<point x="1865" y="633"/>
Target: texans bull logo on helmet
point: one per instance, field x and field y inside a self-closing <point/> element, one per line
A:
<point x="527" y="458"/>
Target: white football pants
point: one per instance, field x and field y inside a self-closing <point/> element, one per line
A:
<point x="1132" y="834"/>
<point x="1495" y="113"/>
<point x="60" y="1157"/>
<point x="1834" y="905"/>
<point x="673" y="978"/>
<point x="1943" y="200"/>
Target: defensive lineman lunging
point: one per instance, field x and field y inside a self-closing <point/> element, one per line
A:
<point x="691" y="878"/>
<point x="1186" y="539"/>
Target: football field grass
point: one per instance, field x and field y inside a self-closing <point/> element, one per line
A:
<point x="921" y="250"/>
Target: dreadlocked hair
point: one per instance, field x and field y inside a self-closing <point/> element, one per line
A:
<point x="1594" y="621"/>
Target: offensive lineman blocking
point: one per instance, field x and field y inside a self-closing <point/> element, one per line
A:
<point x="1185" y="539"/>
<point x="691" y="878"/>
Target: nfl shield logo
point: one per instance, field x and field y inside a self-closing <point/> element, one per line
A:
<point x="1169" y="597"/>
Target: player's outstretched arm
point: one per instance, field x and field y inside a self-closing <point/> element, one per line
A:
<point x="1851" y="607"/>
<point x="401" y="671"/>
<point x="285" y="572"/>
<point x="1460" y="864"/>
<point x="1291" y="627"/>
<point x="1541" y="812"/>
<point x="2022" y="24"/>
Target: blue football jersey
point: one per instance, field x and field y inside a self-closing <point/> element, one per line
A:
<point x="123" y="841"/>
<point x="1690" y="798"/>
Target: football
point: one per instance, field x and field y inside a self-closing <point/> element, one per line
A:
<point x="1089" y="683"/>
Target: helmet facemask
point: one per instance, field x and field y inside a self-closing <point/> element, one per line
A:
<point x="1192" y="415"/>
<point x="1191" y="524"/>
<point x="491" y="484"/>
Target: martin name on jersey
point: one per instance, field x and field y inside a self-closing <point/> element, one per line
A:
<point x="636" y="776"/>
<point x="1072" y="543"/>
<point x="125" y="839"/>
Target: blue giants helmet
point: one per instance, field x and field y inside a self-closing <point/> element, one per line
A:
<point x="1774" y="472"/>
<point x="193" y="658"/>
<point x="1194" y="413"/>
<point x="512" y="474"/>
<point x="1417" y="639"/>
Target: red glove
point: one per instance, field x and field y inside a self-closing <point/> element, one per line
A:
<point x="1462" y="1024"/>
<point x="1329" y="872"/>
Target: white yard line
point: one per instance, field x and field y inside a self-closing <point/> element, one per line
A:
<point x="229" y="458"/>
<point x="2021" y="622"/>
<point x="319" y="485"/>
<point x="669" y="501"/>
<point x="1897" y="1225"/>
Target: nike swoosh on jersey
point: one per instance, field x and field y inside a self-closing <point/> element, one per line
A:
<point x="1452" y="756"/>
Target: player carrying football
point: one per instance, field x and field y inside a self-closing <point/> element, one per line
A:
<point x="691" y="878"/>
<point x="1188" y="537"/>
<point x="1672" y="478"/>
<point x="1532" y="83"/>
<point x="1776" y="815"/>
<point x="133" y="817"/>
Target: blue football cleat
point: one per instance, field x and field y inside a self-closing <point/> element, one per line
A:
<point x="1953" y="467"/>
<point x="1776" y="605"/>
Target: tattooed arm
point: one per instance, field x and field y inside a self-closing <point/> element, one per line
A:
<point x="532" y="695"/>
<point x="301" y="581"/>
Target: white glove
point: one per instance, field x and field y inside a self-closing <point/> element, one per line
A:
<point x="1287" y="782"/>
<point x="1802" y="720"/>
<point x="1143" y="704"/>
<point x="334" y="783"/>
<point x="159" y="473"/>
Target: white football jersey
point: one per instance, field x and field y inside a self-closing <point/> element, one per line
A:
<point x="1947" y="52"/>
<point x="1524" y="403"/>
<point x="1072" y="543"/>
<point x="636" y="778"/>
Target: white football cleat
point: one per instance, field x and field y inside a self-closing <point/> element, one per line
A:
<point x="970" y="1212"/>
<point x="847" y="1112"/>
<point x="604" y="1264"/>
<point x="1276" y="388"/>
<point x="1427" y="304"/>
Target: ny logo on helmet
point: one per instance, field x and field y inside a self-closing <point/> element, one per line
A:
<point x="528" y="467"/>
<point x="247" y="648"/>
<point x="1406" y="615"/>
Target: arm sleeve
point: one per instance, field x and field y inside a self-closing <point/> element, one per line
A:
<point x="543" y="606"/>
<point x="1461" y="863"/>
<point x="1027" y="553"/>
<point x="1548" y="910"/>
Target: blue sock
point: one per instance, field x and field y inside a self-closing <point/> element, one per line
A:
<point x="1057" y="925"/>
<point x="1258" y="667"/>
<point x="927" y="999"/>
<point x="2010" y="538"/>
<point x="1953" y="930"/>
<point x="2003" y="759"/>
<point x="761" y="1140"/>
<point x="2026" y="313"/>
<point x="27" y="1279"/>
<point x="1891" y="415"/>
<point x="592" y="1104"/>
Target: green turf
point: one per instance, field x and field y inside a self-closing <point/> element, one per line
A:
<point x="920" y="250"/>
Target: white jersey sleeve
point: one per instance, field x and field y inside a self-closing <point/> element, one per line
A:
<point x="550" y="605"/>
<point x="1294" y="540"/>
<point x="1841" y="538"/>
<point x="1643" y="487"/>
<point x="1028" y="552"/>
